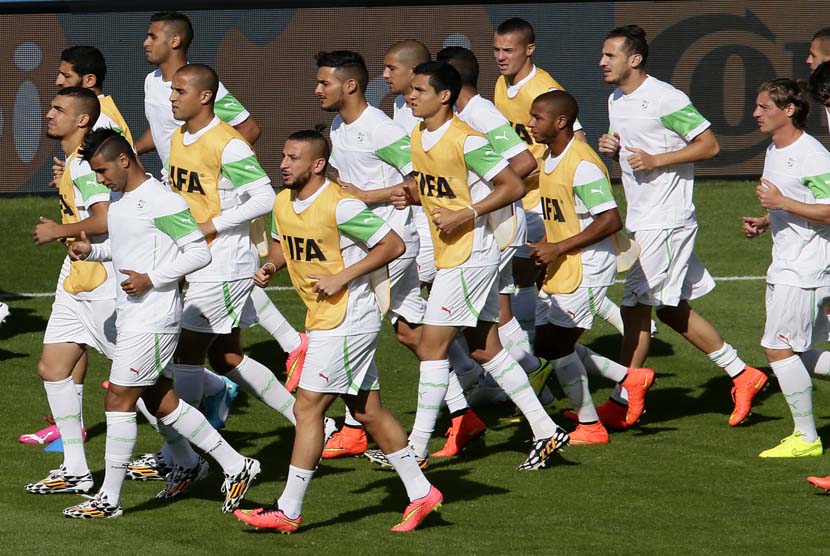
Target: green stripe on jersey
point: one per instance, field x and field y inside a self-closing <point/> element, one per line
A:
<point x="594" y="193"/>
<point x="89" y="186"/>
<point x="397" y="154"/>
<point x="227" y="108"/>
<point x="683" y="121"/>
<point x="274" y="231"/>
<point x="242" y="172"/>
<point x="177" y="225"/>
<point x="482" y="160"/>
<point x="363" y="226"/>
<point x="504" y="138"/>
<point x="819" y="185"/>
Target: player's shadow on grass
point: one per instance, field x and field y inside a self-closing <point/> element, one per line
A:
<point x="610" y="344"/>
<point x="21" y="321"/>
<point x="716" y="397"/>
<point x="269" y="354"/>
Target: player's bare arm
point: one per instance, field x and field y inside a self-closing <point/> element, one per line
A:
<point x="609" y="145"/>
<point x="771" y="198"/>
<point x="405" y="195"/>
<point x="145" y="143"/>
<point x="702" y="147"/>
<point x="604" y="225"/>
<point x="524" y="164"/>
<point x="49" y="230"/>
<point x="249" y="129"/>
<point x="275" y="263"/>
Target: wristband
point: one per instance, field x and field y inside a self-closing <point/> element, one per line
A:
<point x="472" y="208"/>
<point x="272" y="264"/>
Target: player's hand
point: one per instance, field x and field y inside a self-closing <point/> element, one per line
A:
<point x="544" y="253"/>
<point x="609" y="145"/>
<point x="754" y="226"/>
<point x="57" y="171"/>
<point x="263" y="275"/>
<point x="350" y="188"/>
<point x="641" y="161"/>
<point x="327" y="285"/>
<point x="80" y="249"/>
<point x="208" y="230"/>
<point x="136" y="283"/>
<point x="448" y="221"/>
<point x="46" y="231"/>
<point x="769" y="195"/>
<point x="400" y="198"/>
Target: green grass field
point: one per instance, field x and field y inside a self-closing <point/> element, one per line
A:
<point x="682" y="482"/>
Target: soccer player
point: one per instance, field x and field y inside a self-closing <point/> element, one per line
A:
<point x="794" y="188"/>
<point x="819" y="48"/>
<point x="83" y="313"/>
<point x="657" y="135"/>
<point x="154" y="241"/>
<point x="82" y="66"/>
<point x="330" y="242"/>
<point x="459" y="180"/>
<point x="580" y="217"/>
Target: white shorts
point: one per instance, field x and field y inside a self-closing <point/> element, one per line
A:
<point x="535" y="230"/>
<point x="141" y="357"/>
<point x="218" y="307"/>
<point x="90" y="323"/>
<point x="463" y="296"/>
<point x="668" y="270"/>
<point x="570" y="310"/>
<point x="405" y="291"/>
<point x="340" y="364"/>
<point x="425" y="261"/>
<point x="507" y="285"/>
<point x="795" y="317"/>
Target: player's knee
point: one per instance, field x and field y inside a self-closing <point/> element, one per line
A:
<point x="223" y="363"/>
<point x="121" y="398"/>
<point x="673" y="317"/>
<point x="48" y="373"/>
<point x="407" y="337"/>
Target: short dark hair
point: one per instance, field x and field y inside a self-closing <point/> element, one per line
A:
<point x="820" y="82"/>
<point x="106" y="142"/>
<point x="206" y="78"/>
<point x="315" y="138"/>
<point x="442" y="77"/>
<point x="410" y="52"/>
<point x="822" y="34"/>
<point x="559" y="103"/>
<point x="87" y="102"/>
<point x="86" y="60"/>
<point x="517" y="25"/>
<point x="783" y="92"/>
<point x="635" y="41"/>
<point x="463" y="60"/>
<point x="347" y="63"/>
<point x="180" y="24"/>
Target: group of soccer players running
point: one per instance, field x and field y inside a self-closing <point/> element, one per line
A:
<point x="501" y="210"/>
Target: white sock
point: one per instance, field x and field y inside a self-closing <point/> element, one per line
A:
<point x="523" y="304"/>
<point x="189" y="382"/>
<point x="455" y="399"/>
<point x="79" y="389"/>
<point x="817" y="361"/>
<point x="258" y="380"/>
<point x="466" y="370"/>
<point x="66" y="410"/>
<point x="176" y="450"/>
<point x="727" y="359"/>
<point x="512" y="379"/>
<point x="432" y="387"/>
<point x="610" y="312"/>
<point x="190" y="423"/>
<point x="797" y="388"/>
<point x="212" y="383"/>
<point x="574" y="380"/>
<point x="272" y="320"/>
<point x="139" y="404"/>
<point x="351" y="421"/>
<point x="596" y="364"/>
<point x="122" y="433"/>
<point x="515" y="340"/>
<point x="291" y="499"/>
<point x="406" y="465"/>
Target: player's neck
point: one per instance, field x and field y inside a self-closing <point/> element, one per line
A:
<point x="558" y="145"/>
<point x="785" y="137"/>
<point x="464" y="97"/>
<point x="135" y="177"/>
<point x="200" y="121"/>
<point x="172" y="65"/>
<point x="311" y="187"/>
<point x="71" y="142"/>
<point x="352" y="110"/>
<point x="97" y="90"/>
<point x="633" y="81"/>
<point x="438" y="119"/>
<point x="523" y="72"/>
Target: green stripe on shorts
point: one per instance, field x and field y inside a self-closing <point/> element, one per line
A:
<point x="226" y="292"/>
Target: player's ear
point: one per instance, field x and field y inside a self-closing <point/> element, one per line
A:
<point x="635" y="60"/>
<point x="83" y="120"/>
<point x="175" y="41"/>
<point x="205" y="97"/>
<point x="445" y="96"/>
<point x="124" y="160"/>
<point x="88" y="81"/>
<point x="351" y="86"/>
<point x="531" y="48"/>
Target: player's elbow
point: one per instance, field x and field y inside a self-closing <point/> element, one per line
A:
<point x="523" y="164"/>
<point x="712" y="148"/>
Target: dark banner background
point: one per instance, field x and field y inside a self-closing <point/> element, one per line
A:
<point x="717" y="52"/>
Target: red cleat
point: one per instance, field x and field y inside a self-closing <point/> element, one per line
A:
<point x="464" y="429"/>
<point x="294" y="364"/>
<point x="348" y="441"/>
<point x="270" y="517"/>
<point x="820" y="482"/>
<point x="417" y="510"/>
<point x="637" y="383"/>
<point x="585" y="435"/>
<point x="747" y="385"/>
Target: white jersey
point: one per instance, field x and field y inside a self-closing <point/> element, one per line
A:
<point x="87" y="192"/>
<point x="592" y="196"/>
<point x="360" y="230"/>
<point x="246" y="194"/>
<point x="656" y="118"/>
<point x="403" y="116"/>
<point x="485" y="251"/>
<point x="159" y="111"/>
<point x="373" y="152"/>
<point x="800" y="248"/>
<point x="147" y="228"/>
